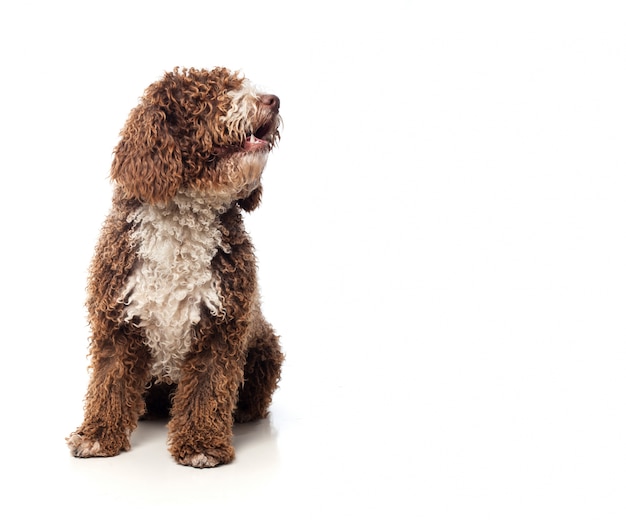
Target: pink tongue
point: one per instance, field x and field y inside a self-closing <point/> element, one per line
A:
<point x="254" y="143"/>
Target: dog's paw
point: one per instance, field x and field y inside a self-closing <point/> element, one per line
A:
<point x="200" y="460"/>
<point x="208" y="458"/>
<point x="83" y="446"/>
<point x="244" y="414"/>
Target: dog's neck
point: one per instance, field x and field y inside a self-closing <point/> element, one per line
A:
<point x="189" y="218"/>
<point x="195" y="201"/>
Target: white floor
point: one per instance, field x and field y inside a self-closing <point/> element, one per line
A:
<point x="441" y="246"/>
<point x="496" y="423"/>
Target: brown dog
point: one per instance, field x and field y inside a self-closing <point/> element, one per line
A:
<point x="173" y="301"/>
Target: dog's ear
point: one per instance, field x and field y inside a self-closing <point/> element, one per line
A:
<point x="147" y="163"/>
<point x="252" y="201"/>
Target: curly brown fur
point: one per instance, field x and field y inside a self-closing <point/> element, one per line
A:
<point x="173" y="300"/>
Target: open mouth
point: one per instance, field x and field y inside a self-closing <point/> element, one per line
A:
<point x="257" y="140"/>
<point x="253" y="143"/>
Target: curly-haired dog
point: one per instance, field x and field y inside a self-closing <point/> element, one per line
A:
<point x="173" y="302"/>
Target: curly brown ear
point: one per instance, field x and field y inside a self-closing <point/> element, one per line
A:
<point x="252" y="201"/>
<point x="147" y="162"/>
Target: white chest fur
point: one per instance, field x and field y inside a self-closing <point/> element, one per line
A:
<point x="173" y="279"/>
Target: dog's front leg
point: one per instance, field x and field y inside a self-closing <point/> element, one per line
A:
<point x="200" y="431"/>
<point x="114" y="401"/>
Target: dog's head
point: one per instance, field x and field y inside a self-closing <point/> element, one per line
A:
<point x="197" y="129"/>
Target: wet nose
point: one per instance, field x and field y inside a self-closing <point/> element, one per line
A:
<point x="271" y="101"/>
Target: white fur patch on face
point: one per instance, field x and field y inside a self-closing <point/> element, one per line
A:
<point x="176" y="243"/>
<point x="243" y="109"/>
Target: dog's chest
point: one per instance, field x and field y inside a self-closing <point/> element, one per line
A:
<point x="172" y="279"/>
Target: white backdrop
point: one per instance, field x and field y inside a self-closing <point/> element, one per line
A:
<point x="442" y="248"/>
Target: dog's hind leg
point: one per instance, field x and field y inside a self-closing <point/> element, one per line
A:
<point x="114" y="398"/>
<point x="261" y="375"/>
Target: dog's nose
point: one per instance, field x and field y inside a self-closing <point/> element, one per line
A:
<point x="271" y="101"/>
